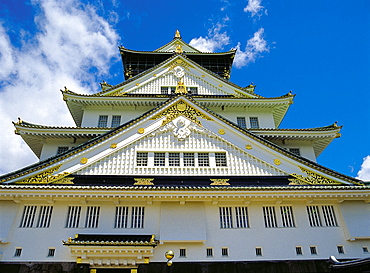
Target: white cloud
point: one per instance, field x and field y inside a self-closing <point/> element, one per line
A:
<point x="213" y="41"/>
<point x="364" y="173"/>
<point x="254" y="7"/>
<point x="71" y="40"/>
<point x="255" y="46"/>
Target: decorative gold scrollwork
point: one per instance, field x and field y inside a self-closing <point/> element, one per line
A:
<point x="47" y="177"/>
<point x="311" y="179"/>
<point x="143" y="181"/>
<point x="220" y="182"/>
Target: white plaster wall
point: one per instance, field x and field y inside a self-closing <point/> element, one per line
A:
<point x="50" y="147"/>
<point x="356" y="215"/>
<point x="305" y="147"/>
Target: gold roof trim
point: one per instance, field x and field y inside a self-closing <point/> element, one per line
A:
<point x="47" y="177"/>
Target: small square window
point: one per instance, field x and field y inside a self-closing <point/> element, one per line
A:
<point x="51" y="252"/>
<point x="298" y="250"/>
<point x="18" y="252"/>
<point x="221" y="159"/>
<point x="365" y="249"/>
<point x="182" y="253"/>
<point x="174" y="159"/>
<point x="193" y="90"/>
<point x="62" y="149"/>
<point x="209" y="252"/>
<point x="340" y="249"/>
<point x="159" y="159"/>
<point x="164" y="90"/>
<point x="189" y="160"/>
<point x="142" y="159"/>
<point x="295" y="151"/>
<point x="225" y="251"/>
<point x="203" y="159"/>
<point x="313" y="250"/>
<point x="258" y="251"/>
<point x="241" y="122"/>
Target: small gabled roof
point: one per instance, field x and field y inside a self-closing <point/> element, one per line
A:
<point x="68" y="162"/>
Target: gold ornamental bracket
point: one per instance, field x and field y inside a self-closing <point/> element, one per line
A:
<point x="181" y="108"/>
<point x="220" y="182"/>
<point x="143" y="181"/>
<point x="312" y="178"/>
<point x="47" y="177"/>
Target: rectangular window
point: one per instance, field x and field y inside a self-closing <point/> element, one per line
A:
<point x="137" y="217"/>
<point x="340" y="249"/>
<point x="189" y="159"/>
<point x="28" y="216"/>
<point x="103" y="121"/>
<point x="73" y="217"/>
<point x="225" y="252"/>
<point x="174" y="159"/>
<point x="220" y="159"/>
<point x="173" y="90"/>
<point x="62" y="149"/>
<point x="182" y="253"/>
<point x="193" y="90"/>
<point x="329" y="216"/>
<point x="226" y="219"/>
<point x="18" y="252"/>
<point x="241" y="215"/>
<point x="203" y="159"/>
<point x="141" y="159"/>
<point x="287" y="216"/>
<point x="44" y="216"/>
<point x="164" y="90"/>
<point x="269" y="217"/>
<point x="295" y="151"/>
<point x="51" y="252"/>
<point x="314" y="216"/>
<point x="159" y="159"/>
<point x="365" y="249"/>
<point x="298" y="250"/>
<point x="254" y="122"/>
<point x="258" y="251"/>
<point x="241" y="122"/>
<point x="121" y="217"/>
<point x="209" y="252"/>
<point x="92" y="217"/>
<point x="116" y="121"/>
<point x="313" y="250"/>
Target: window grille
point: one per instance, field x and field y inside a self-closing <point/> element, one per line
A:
<point x="182" y="253"/>
<point x="241" y="122"/>
<point x="174" y="159"/>
<point x="329" y="216"/>
<point x="226" y="219"/>
<point x="365" y="249"/>
<point x="254" y="122"/>
<point x="193" y="90"/>
<point x="62" y="149"/>
<point x="164" y="90"/>
<point x="295" y="151"/>
<point x="51" y="252"/>
<point x="121" y="217"/>
<point x="137" y="217"/>
<point x="269" y="217"/>
<point x="92" y="217"/>
<point x="220" y="159"/>
<point x="209" y="252"/>
<point x="173" y="89"/>
<point x="298" y="250"/>
<point x="203" y="159"/>
<point x="313" y="250"/>
<point x="142" y="159"/>
<point x="73" y="217"/>
<point x="225" y="251"/>
<point x="159" y="159"/>
<point x="189" y="159"/>
<point x="287" y="216"/>
<point x="314" y="216"/>
<point x="340" y="249"/>
<point x="18" y="252"/>
<point x="103" y="121"/>
<point x="44" y="216"/>
<point x="258" y="251"/>
<point x="241" y="215"/>
<point x="28" y="216"/>
<point x="116" y="121"/>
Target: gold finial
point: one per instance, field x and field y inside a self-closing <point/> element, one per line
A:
<point x="179" y="49"/>
<point x="177" y="34"/>
<point x="152" y="239"/>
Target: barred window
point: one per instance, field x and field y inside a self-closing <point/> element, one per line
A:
<point x="182" y="253"/>
<point x="44" y="216"/>
<point x="230" y="220"/>
<point x="142" y="159"/>
<point x="62" y="149"/>
<point x="287" y="216"/>
<point x="220" y="159"/>
<point x="51" y="252"/>
<point x="241" y="122"/>
<point x="209" y="252"/>
<point x="314" y="216"/>
<point x="103" y="121"/>
<point x="224" y="251"/>
<point x="295" y="151"/>
<point x="326" y="217"/>
<point x="203" y="159"/>
<point x="269" y="217"/>
<point x="298" y="250"/>
<point x="340" y="249"/>
<point x="189" y="159"/>
<point x="313" y="250"/>
<point x="365" y="249"/>
<point x="174" y="159"/>
<point x="254" y="122"/>
<point x="164" y="90"/>
<point x="137" y="217"/>
<point x="121" y="217"/>
<point x="92" y="217"/>
<point x="18" y="252"/>
<point x="241" y="215"/>
<point x="226" y="219"/>
<point x="193" y="90"/>
<point x="116" y="121"/>
<point x="28" y="216"/>
<point x="329" y="216"/>
<point x="159" y="159"/>
<point x="258" y="251"/>
<point x="73" y="217"/>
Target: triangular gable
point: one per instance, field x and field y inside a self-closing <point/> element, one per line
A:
<point x="182" y="122"/>
<point x="175" y="70"/>
<point x="177" y="45"/>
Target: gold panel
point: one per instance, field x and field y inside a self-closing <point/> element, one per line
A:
<point x="47" y="177"/>
<point x="219" y="182"/>
<point x="221" y="131"/>
<point x="311" y="179"/>
<point x="143" y="181"/>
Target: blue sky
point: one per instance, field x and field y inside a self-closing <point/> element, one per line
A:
<point x="319" y="49"/>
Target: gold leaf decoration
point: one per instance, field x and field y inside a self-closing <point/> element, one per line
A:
<point x="141" y="130"/>
<point x="311" y="179"/>
<point x="143" y="181"/>
<point x="181" y="109"/>
<point x="47" y="177"/>
<point x="221" y="131"/>
<point x="219" y="182"/>
<point x="277" y="161"/>
<point x="248" y="147"/>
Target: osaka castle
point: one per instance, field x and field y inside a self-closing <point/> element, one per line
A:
<point x="178" y="169"/>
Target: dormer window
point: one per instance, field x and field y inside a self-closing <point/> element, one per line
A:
<point x="241" y="122"/>
<point x="103" y="121"/>
<point x="116" y="121"/>
<point x="254" y="122"/>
